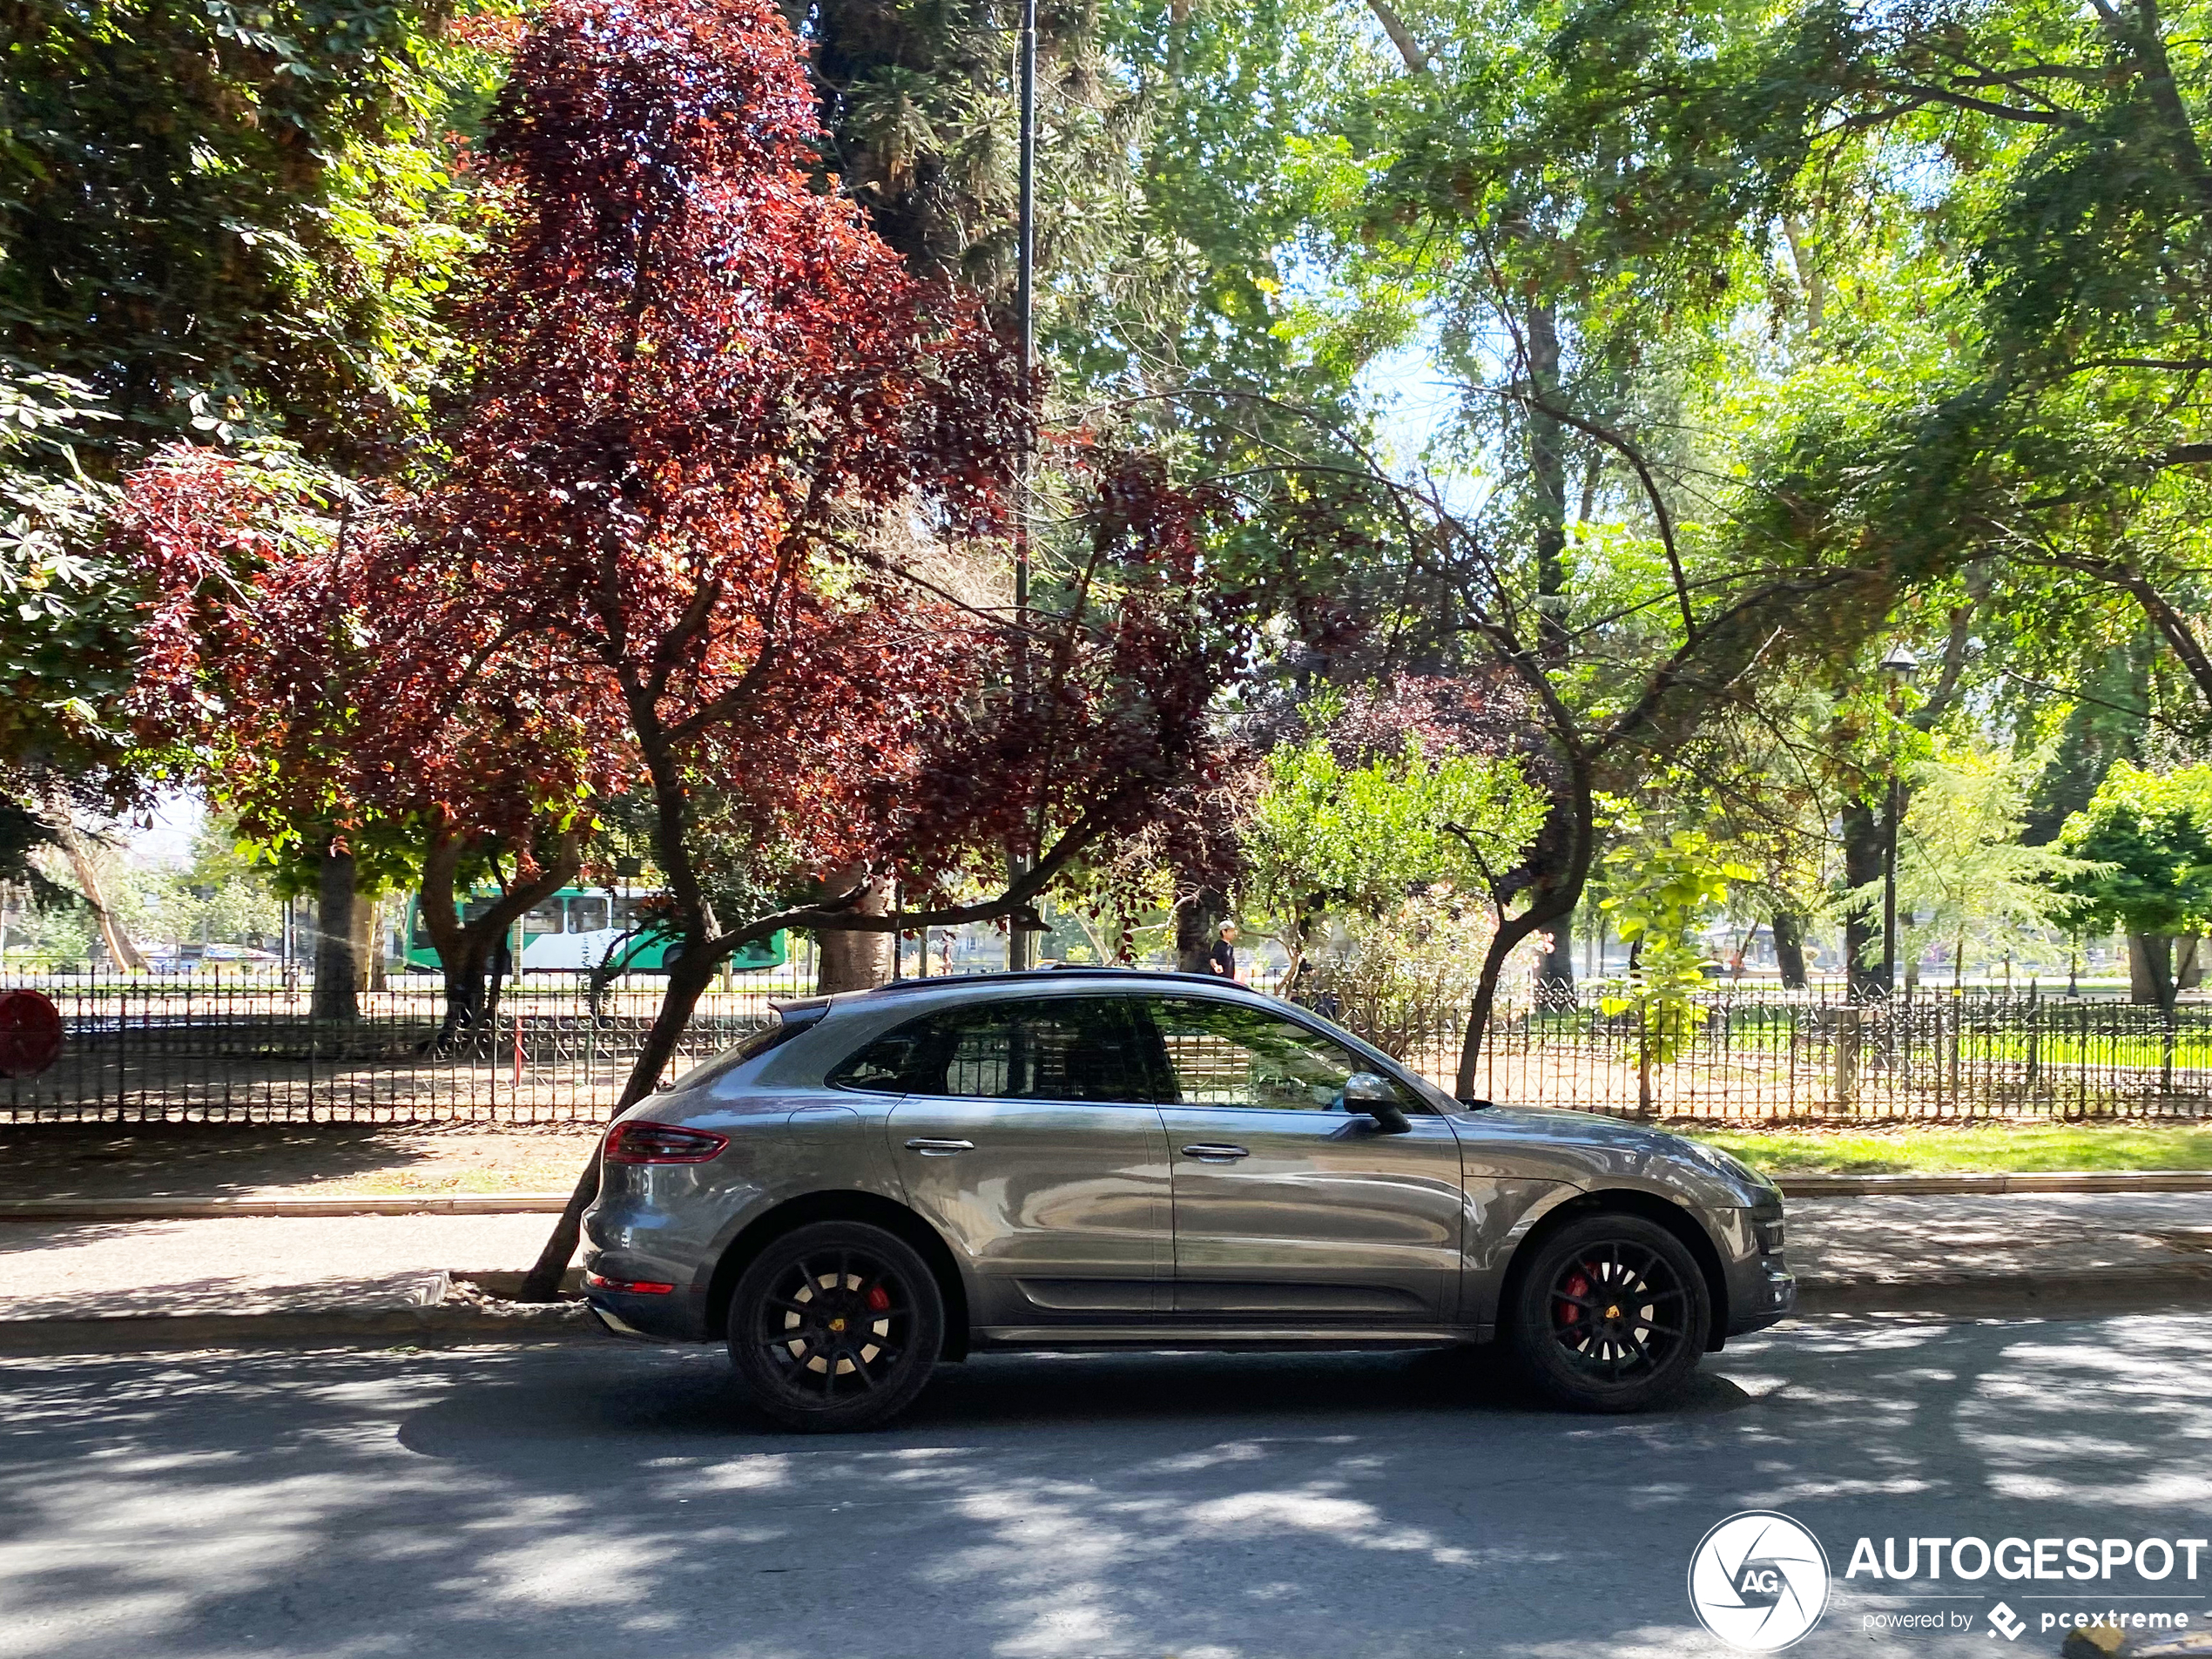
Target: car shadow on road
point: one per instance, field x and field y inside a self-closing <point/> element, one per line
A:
<point x="690" y="1393"/>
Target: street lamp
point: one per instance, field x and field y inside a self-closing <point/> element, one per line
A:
<point x="1020" y="948"/>
<point x="1900" y="665"/>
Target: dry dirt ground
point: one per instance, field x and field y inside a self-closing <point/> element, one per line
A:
<point x="207" y="1160"/>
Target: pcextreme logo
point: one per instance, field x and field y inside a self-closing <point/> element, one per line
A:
<point x="1759" y="1580"/>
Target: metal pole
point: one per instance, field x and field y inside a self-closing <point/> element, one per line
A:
<point x="1018" y="941"/>
<point x="1889" y="895"/>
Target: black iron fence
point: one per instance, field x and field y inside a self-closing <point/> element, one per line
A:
<point x="1764" y="1056"/>
<point x="244" y="1049"/>
<point x="247" y="1048"/>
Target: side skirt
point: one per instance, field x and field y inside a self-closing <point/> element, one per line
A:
<point x="1228" y="1336"/>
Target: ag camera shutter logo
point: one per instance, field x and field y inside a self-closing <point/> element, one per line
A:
<point x="1759" y="1580"/>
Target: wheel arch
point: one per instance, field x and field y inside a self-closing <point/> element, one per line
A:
<point x="1628" y="1201"/>
<point x="845" y="1205"/>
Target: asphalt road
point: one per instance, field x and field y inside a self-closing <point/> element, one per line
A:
<point x="575" y="1500"/>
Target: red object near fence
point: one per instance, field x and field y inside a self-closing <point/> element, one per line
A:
<point x="31" y="1034"/>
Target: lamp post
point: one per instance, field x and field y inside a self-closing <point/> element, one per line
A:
<point x="1020" y="948"/>
<point x="1900" y="665"/>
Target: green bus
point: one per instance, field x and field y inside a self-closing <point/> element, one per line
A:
<point x="577" y="929"/>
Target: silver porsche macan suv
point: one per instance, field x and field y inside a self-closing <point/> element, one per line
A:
<point x="1094" y="1158"/>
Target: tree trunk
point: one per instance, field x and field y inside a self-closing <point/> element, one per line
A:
<point x="1789" y="930"/>
<point x="369" y="949"/>
<point x="335" y="995"/>
<point x="2150" y="970"/>
<point x="687" y="982"/>
<point x="1555" y="962"/>
<point x="1547" y="472"/>
<point x="1557" y="869"/>
<point x="466" y="950"/>
<point x="848" y="959"/>
<point x="1862" y="849"/>
<point x="2189" y="961"/>
<point x="1198" y="924"/>
<point x="121" y="950"/>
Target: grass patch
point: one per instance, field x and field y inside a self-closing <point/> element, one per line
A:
<point x="1995" y="1148"/>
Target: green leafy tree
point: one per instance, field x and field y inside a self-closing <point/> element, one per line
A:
<point x="2146" y="840"/>
<point x="1355" y="839"/>
<point x="1661" y="890"/>
<point x="1961" y="867"/>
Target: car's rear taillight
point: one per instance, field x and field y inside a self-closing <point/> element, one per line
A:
<point x="640" y="1142"/>
<point x="628" y="1286"/>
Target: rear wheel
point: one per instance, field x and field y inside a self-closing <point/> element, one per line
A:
<point x="836" y="1325"/>
<point x="1609" y="1315"/>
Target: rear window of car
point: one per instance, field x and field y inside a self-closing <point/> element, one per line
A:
<point x="773" y="1035"/>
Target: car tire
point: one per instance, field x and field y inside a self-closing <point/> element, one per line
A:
<point x="835" y="1326"/>
<point x="1610" y="1313"/>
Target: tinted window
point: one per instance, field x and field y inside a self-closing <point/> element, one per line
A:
<point x="1061" y="1048"/>
<point x="773" y="1035"/>
<point x="1220" y="1054"/>
<point x="587" y="915"/>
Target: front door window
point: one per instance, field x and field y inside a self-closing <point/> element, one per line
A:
<point x="1225" y="1053"/>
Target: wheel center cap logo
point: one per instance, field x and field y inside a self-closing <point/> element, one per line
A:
<point x="1759" y="1580"/>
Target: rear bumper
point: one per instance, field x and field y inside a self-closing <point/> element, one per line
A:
<point x="614" y="1325"/>
<point x="643" y="1319"/>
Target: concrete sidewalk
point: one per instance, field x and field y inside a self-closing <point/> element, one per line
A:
<point x="125" y="1283"/>
<point x="76" y="1285"/>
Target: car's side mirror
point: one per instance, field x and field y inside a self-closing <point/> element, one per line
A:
<point x="1377" y="1097"/>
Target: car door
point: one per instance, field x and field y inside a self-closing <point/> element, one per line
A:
<point x="1290" y="1208"/>
<point x="1026" y="1134"/>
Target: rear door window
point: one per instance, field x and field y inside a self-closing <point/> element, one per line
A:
<point x="1060" y="1048"/>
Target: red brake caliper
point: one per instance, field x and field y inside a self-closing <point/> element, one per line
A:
<point x="1567" y="1312"/>
<point x="879" y="1299"/>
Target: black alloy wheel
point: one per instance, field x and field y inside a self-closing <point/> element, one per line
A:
<point x="1610" y="1314"/>
<point x="836" y="1326"/>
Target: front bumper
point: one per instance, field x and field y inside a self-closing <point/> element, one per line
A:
<point x="1761" y="1289"/>
<point x="1768" y="1296"/>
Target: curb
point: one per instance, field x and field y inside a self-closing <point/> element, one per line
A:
<point x="156" y="1333"/>
<point x="454" y="1310"/>
<point x="2043" y="1296"/>
<point x="523" y="1203"/>
<point x="1867" y="1186"/>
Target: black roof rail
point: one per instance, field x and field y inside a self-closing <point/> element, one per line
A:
<point x="1058" y="972"/>
<point x="806" y="1010"/>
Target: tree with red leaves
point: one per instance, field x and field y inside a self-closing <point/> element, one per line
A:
<point x="345" y="697"/>
<point x="717" y="429"/>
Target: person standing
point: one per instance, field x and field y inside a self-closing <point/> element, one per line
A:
<point x="1222" y="959"/>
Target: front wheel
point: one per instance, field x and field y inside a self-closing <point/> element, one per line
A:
<point x="1609" y="1315"/>
<point x="836" y="1326"/>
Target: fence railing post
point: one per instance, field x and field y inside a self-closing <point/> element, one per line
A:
<point x="1846" y="1053"/>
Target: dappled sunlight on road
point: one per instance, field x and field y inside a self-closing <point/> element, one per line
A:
<point x="558" y="1500"/>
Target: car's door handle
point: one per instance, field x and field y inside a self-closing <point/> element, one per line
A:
<point x="1215" y="1152"/>
<point x="930" y="1149"/>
